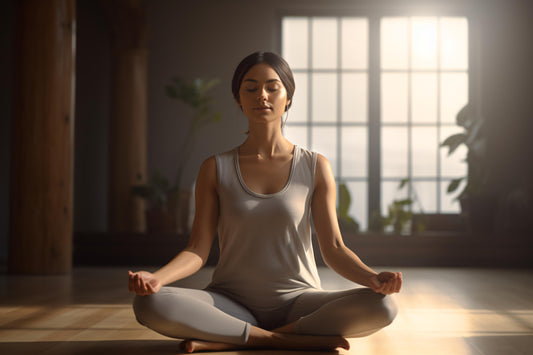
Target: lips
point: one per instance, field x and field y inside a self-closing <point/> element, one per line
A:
<point x="261" y="108"/>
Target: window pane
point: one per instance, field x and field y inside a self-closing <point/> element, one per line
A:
<point x="454" y="43"/>
<point x="394" y="97"/>
<point x="454" y="95"/>
<point x="424" y="151"/>
<point x="389" y="193"/>
<point x="324" y="43"/>
<point x="448" y="202"/>
<point x="295" y="41"/>
<point x="425" y="196"/>
<point x="354" y="151"/>
<point x="354" y="97"/>
<point x="453" y="166"/>
<point x="324" y="141"/>
<point x="298" y="110"/>
<point x="324" y="97"/>
<point x="297" y="135"/>
<point x="359" y="206"/>
<point x="394" y="42"/>
<point x="424" y="97"/>
<point x="394" y="152"/>
<point x="424" y="43"/>
<point x="354" y="43"/>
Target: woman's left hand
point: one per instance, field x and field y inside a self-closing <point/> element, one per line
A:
<point x="386" y="282"/>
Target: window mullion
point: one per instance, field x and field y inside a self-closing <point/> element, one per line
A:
<point x="374" y="118"/>
<point x="339" y="98"/>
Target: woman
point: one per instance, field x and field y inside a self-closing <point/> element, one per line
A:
<point x="265" y="290"/>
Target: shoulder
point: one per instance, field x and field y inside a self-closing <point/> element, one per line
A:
<point x="208" y="172"/>
<point x="323" y="165"/>
<point x="323" y="173"/>
<point x="210" y="164"/>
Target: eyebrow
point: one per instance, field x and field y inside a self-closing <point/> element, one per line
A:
<point x="268" y="81"/>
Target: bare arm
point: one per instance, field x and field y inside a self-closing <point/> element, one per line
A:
<point x="335" y="254"/>
<point x="194" y="256"/>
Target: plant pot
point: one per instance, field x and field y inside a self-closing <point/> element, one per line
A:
<point x="438" y="222"/>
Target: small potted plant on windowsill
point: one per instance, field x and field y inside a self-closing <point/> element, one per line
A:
<point x="477" y="203"/>
<point x="168" y="203"/>
<point x="346" y="222"/>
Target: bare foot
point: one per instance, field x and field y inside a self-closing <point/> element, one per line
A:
<point x="277" y="341"/>
<point x="192" y="346"/>
<point x="308" y="342"/>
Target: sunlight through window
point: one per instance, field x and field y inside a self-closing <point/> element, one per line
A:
<point x="422" y="76"/>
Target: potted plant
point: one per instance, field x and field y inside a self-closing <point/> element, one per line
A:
<point x="400" y="214"/>
<point x="346" y="222"/>
<point x="168" y="203"/>
<point x="477" y="204"/>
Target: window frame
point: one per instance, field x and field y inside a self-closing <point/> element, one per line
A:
<point x="374" y="13"/>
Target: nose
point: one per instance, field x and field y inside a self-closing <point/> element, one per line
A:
<point x="262" y="95"/>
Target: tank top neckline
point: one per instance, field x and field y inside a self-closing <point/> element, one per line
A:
<point x="295" y="153"/>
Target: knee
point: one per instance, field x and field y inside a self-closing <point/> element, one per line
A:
<point x="143" y="308"/>
<point x="387" y="310"/>
<point x="379" y="310"/>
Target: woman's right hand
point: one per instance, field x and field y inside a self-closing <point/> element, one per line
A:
<point x="143" y="283"/>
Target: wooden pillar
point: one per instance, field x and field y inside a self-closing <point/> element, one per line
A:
<point x="128" y="121"/>
<point x="41" y="185"/>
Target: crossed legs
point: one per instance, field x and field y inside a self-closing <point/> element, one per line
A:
<point x="317" y="319"/>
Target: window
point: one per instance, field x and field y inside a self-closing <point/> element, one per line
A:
<point x="376" y="96"/>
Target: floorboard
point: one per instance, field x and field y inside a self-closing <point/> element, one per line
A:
<point x="442" y="311"/>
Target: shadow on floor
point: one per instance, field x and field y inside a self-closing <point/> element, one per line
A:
<point x="130" y="347"/>
<point x="502" y="344"/>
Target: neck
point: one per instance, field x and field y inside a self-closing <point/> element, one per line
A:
<point x="266" y="141"/>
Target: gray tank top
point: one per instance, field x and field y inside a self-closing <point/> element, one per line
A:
<point x="266" y="253"/>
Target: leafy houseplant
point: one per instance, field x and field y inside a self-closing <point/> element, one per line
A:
<point x="473" y="137"/>
<point x="477" y="205"/>
<point x="346" y="222"/>
<point x="168" y="202"/>
<point x="400" y="212"/>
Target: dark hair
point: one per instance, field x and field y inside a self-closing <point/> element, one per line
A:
<point x="280" y="66"/>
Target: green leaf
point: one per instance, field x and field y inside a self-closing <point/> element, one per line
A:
<point x="217" y="117"/>
<point x="454" y="184"/>
<point x="454" y="141"/>
<point x="463" y="117"/>
<point x="171" y="91"/>
<point x="404" y="202"/>
<point x="403" y="182"/>
<point x="344" y="200"/>
<point x="209" y="85"/>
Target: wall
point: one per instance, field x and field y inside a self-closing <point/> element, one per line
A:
<point x="506" y="59"/>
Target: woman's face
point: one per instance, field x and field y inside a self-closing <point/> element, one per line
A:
<point x="262" y="95"/>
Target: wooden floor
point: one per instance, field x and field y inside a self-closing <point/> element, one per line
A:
<point x="442" y="311"/>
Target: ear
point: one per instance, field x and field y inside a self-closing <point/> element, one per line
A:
<point x="287" y="105"/>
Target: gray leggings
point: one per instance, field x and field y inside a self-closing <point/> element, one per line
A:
<point x="202" y="314"/>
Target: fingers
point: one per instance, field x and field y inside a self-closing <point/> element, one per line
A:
<point x="138" y="285"/>
<point x="396" y="283"/>
<point x="130" y="281"/>
<point x="151" y="288"/>
<point x="390" y="283"/>
<point x="399" y="282"/>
